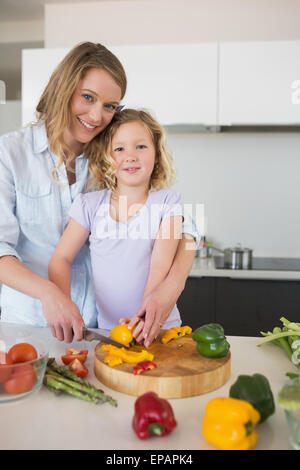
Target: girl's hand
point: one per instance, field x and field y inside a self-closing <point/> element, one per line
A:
<point x="138" y="328"/>
<point x="63" y="315"/>
<point x="154" y="311"/>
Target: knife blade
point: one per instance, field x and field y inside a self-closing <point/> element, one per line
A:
<point x="90" y="335"/>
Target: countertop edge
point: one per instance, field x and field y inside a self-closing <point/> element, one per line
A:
<point x="206" y="268"/>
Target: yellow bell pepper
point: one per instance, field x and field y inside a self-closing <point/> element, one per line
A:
<point x="119" y="355"/>
<point x="175" y="332"/>
<point x="123" y="335"/>
<point x="229" y="423"/>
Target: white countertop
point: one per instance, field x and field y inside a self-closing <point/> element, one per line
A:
<point x="205" y="267"/>
<point x="45" y="421"/>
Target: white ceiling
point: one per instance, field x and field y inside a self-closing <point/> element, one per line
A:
<point x="29" y="10"/>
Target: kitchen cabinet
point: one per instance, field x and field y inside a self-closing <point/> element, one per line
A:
<point x="243" y="306"/>
<point x="256" y="82"/>
<point x="197" y="302"/>
<point x="209" y="84"/>
<point x="175" y="82"/>
<point x="246" y="307"/>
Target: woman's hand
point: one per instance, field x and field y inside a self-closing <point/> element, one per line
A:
<point x="62" y="314"/>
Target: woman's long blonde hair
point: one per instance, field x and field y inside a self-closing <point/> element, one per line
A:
<point x="53" y="108"/>
<point x="101" y="163"/>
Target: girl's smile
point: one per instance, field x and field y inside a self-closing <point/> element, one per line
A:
<point x="131" y="170"/>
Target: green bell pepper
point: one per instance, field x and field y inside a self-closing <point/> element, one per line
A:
<point x="211" y="341"/>
<point x="256" y="390"/>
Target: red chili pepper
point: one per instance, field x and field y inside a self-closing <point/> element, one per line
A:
<point x="144" y="365"/>
<point x="153" y="416"/>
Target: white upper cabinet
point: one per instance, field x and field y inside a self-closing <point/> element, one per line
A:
<point x="259" y="83"/>
<point x="242" y="83"/>
<point x="176" y="82"/>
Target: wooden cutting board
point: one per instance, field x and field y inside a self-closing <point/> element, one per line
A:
<point x="181" y="371"/>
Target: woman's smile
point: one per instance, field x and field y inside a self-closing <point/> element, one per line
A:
<point x="86" y="126"/>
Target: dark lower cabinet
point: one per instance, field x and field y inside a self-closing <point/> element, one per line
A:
<point x="197" y="302"/>
<point x="246" y="307"/>
<point x="243" y="307"/>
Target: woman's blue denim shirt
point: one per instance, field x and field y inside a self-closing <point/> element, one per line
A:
<point x="34" y="213"/>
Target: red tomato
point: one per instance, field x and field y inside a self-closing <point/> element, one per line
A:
<point x="5" y="370"/>
<point x="78" y="368"/>
<point x="22" y="379"/>
<point x="71" y="354"/>
<point x="22" y="352"/>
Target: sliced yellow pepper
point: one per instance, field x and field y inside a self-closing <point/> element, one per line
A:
<point x="175" y="332"/>
<point x="229" y="423"/>
<point x="119" y="355"/>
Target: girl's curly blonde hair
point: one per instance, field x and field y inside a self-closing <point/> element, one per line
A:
<point x="102" y="165"/>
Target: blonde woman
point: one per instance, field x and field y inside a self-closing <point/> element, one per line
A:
<point x="134" y="224"/>
<point x="43" y="167"/>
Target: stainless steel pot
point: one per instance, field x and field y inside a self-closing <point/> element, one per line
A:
<point x="238" y="258"/>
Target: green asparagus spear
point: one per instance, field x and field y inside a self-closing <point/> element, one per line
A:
<point x="64" y="370"/>
<point x="80" y="385"/>
<point x="54" y="383"/>
<point x="53" y="390"/>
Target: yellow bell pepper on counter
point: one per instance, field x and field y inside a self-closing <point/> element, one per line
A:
<point x="119" y="355"/>
<point x="175" y="332"/>
<point x="229" y="423"/>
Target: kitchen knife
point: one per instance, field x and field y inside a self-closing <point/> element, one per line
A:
<point x="90" y="335"/>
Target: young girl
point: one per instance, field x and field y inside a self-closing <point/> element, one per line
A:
<point x="134" y="223"/>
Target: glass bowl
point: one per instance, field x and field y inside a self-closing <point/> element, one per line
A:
<point x="289" y="400"/>
<point x="22" y="379"/>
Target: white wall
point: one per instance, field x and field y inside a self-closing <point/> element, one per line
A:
<point x="10" y="116"/>
<point x="21" y="31"/>
<point x="169" y="21"/>
<point x="249" y="184"/>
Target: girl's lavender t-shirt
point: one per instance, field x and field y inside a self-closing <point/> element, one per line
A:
<point x="121" y="252"/>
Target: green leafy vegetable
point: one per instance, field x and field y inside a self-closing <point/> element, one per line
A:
<point x="287" y="337"/>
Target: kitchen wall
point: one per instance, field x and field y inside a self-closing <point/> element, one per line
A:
<point x="169" y="21"/>
<point x="249" y="182"/>
<point x="10" y="116"/>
